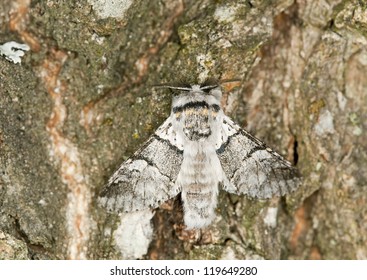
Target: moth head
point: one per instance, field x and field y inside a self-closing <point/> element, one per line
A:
<point x="189" y="90"/>
<point x="213" y="90"/>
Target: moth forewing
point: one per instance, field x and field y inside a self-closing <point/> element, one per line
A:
<point x="147" y="179"/>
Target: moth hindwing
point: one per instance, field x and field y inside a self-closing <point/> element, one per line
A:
<point x="196" y="150"/>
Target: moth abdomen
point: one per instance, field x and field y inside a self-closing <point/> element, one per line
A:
<point x="199" y="201"/>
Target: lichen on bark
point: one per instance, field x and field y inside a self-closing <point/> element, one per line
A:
<point x="82" y="101"/>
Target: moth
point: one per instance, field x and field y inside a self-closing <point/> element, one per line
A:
<point x="196" y="151"/>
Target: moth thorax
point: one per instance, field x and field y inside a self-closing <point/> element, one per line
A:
<point x="197" y="125"/>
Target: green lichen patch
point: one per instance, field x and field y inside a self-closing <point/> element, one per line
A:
<point x="12" y="248"/>
<point x="351" y="15"/>
<point x="315" y="107"/>
<point x="206" y="252"/>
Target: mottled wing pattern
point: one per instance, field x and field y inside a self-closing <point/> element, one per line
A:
<point x="252" y="168"/>
<point x="147" y="179"/>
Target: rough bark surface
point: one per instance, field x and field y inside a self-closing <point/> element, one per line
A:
<point x="82" y="101"/>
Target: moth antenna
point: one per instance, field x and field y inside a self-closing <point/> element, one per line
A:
<point x="173" y="87"/>
<point x="208" y="87"/>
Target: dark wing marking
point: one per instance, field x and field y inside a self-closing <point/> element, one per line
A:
<point x="148" y="178"/>
<point x="251" y="168"/>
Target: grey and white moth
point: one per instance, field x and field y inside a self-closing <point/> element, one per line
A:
<point x="195" y="151"/>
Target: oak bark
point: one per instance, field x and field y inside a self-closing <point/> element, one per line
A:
<point x="82" y="101"/>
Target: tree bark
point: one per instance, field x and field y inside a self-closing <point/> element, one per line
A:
<point x="82" y="101"/>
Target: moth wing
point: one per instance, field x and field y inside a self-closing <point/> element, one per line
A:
<point x="147" y="179"/>
<point x="250" y="167"/>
